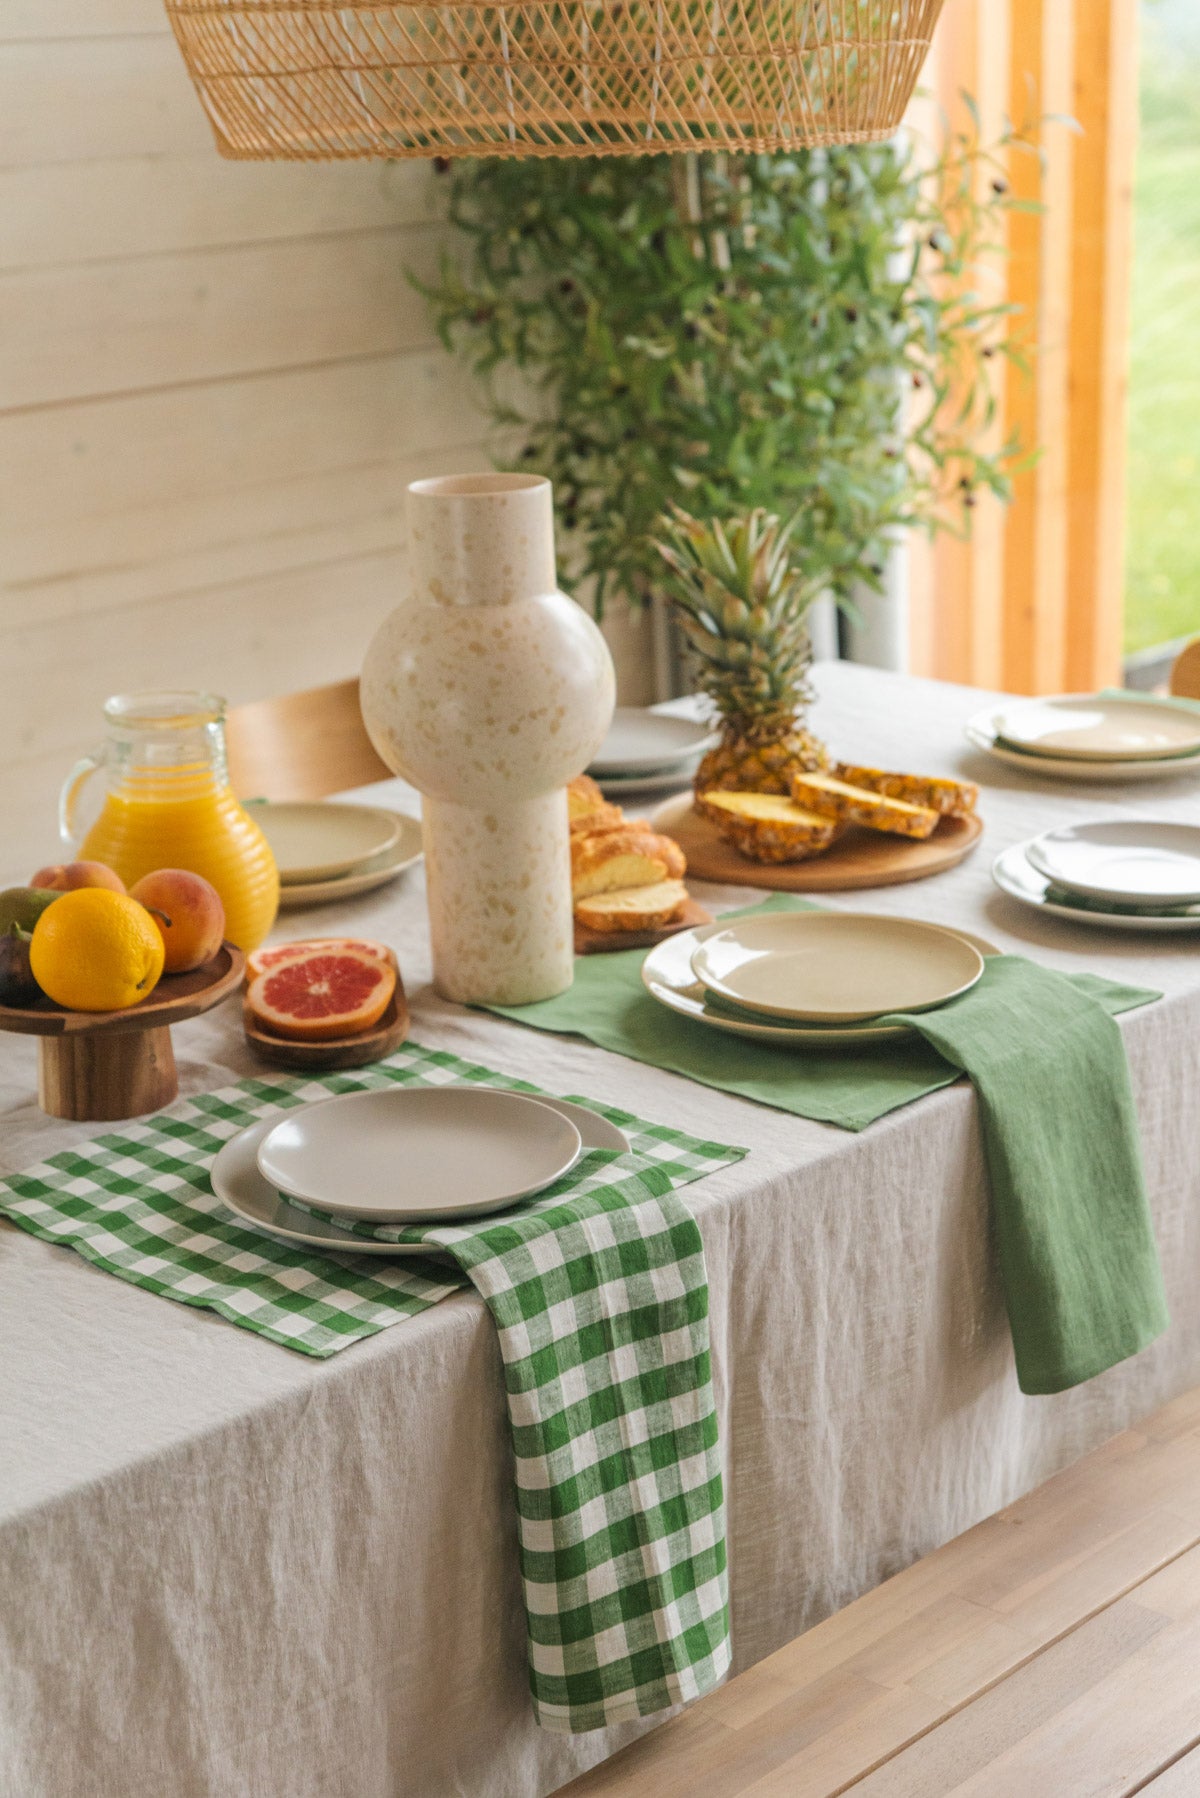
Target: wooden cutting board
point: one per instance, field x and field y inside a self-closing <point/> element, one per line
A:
<point x="603" y="942"/>
<point x="860" y="858"/>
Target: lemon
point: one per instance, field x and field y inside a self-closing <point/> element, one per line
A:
<point x="95" y="950"/>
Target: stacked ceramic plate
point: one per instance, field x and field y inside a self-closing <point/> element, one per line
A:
<point x="326" y="851"/>
<point x="1136" y="874"/>
<point x="350" y="1172"/>
<point x="649" y="752"/>
<point x="1094" y="737"/>
<point x="809" y="980"/>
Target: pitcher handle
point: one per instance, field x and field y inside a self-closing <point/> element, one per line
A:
<point x="68" y="798"/>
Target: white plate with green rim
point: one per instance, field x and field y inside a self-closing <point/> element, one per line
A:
<point x="982" y="733"/>
<point x="419" y="1155"/>
<point x="318" y="840"/>
<point x="237" y="1182"/>
<point x="1016" y="875"/>
<point x="667" y="976"/>
<point x="1135" y="861"/>
<point x="1099" y="727"/>
<point x="825" y="967"/>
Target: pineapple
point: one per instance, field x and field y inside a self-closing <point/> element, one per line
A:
<point x="765" y="828"/>
<point x="742" y="605"/>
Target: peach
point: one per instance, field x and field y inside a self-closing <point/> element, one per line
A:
<point x="189" y="914"/>
<point x="64" y="877"/>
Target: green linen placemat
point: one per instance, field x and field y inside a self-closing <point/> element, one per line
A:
<point x="600" y="1299"/>
<point x="849" y="1087"/>
<point x="1078" y="1259"/>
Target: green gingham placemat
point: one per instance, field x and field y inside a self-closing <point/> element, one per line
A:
<point x="600" y="1299"/>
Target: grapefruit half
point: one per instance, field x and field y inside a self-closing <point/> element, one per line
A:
<point x="324" y="994"/>
<point x="274" y="957"/>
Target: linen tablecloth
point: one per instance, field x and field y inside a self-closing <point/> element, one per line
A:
<point x="226" y="1571"/>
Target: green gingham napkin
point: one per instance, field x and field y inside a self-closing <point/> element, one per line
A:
<point x="600" y="1300"/>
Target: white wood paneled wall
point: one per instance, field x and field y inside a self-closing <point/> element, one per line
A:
<point x="215" y="381"/>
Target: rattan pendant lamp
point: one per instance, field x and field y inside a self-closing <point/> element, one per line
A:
<point x="313" y="80"/>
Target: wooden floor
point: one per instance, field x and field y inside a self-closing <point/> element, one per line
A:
<point x="1052" y="1652"/>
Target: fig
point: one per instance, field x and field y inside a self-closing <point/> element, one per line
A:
<point x="17" y="984"/>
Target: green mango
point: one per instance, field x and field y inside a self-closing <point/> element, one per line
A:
<point x="23" y="906"/>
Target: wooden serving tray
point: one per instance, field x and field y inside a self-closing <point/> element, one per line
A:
<point x="604" y="942"/>
<point x="339" y="1051"/>
<point x="100" y="1066"/>
<point x="859" y="858"/>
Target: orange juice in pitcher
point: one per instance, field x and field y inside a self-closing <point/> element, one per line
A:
<point x="168" y="804"/>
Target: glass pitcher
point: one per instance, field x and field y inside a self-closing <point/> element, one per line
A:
<point x="168" y="804"/>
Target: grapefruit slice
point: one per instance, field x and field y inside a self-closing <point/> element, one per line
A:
<point x="274" y="957"/>
<point x="324" y="994"/>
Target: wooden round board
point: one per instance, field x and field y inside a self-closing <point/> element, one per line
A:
<point x="339" y="1052"/>
<point x="860" y="858"/>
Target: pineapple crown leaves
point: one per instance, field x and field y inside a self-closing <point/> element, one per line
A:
<point x="742" y="603"/>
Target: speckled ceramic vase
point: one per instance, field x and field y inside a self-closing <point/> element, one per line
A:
<point x="488" y="690"/>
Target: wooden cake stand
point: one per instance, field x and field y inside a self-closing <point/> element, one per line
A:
<point x="98" y="1066"/>
<point x="860" y="858"/>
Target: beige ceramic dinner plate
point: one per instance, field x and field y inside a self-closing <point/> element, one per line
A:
<point x="667" y="976"/>
<point x="835" y="967"/>
<point x="404" y="1155"/>
<point x="319" y="840"/>
<point x="1100" y="728"/>
<point x="237" y="1182"/>
<point x="374" y="873"/>
<point x="981" y="733"/>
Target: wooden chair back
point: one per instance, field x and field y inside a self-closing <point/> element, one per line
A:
<point x="1185" y="675"/>
<point x="301" y="745"/>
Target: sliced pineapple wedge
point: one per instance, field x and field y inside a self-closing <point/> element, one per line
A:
<point x="765" y="827"/>
<point x="833" y="798"/>
<point x="953" y="798"/>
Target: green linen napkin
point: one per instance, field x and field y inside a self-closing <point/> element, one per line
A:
<point x="1078" y="1260"/>
<point x="599" y="1295"/>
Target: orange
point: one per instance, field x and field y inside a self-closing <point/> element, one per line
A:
<point x="103" y="952"/>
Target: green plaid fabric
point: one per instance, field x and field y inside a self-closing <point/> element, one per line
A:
<point x="600" y="1299"/>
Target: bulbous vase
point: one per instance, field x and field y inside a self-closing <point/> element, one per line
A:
<point x="489" y="690"/>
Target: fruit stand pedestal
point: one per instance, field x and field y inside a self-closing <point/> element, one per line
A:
<point x="102" y="1066"/>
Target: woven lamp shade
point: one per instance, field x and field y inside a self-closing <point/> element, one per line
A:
<point x="315" y="80"/>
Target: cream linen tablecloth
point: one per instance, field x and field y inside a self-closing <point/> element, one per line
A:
<point x="228" y="1572"/>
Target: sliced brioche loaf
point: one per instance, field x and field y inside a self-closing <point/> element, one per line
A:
<point x="636" y="908"/>
<point x="611" y="860"/>
<point x="583" y="796"/>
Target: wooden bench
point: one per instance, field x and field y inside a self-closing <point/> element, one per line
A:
<point x="1051" y="1652"/>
